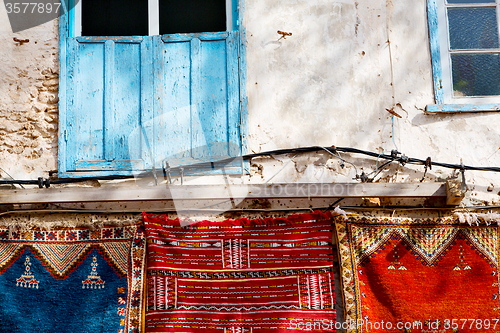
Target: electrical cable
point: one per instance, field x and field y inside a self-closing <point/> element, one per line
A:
<point x="333" y="204"/>
<point x="343" y="161"/>
<point x="395" y="156"/>
<point x="11" y="177"/>
<point x="376" y="164"/>
<point x="379" y="170"/>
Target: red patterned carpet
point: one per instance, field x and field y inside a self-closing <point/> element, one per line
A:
<point x="420" y="275"/>
<point x="264" y="275"/>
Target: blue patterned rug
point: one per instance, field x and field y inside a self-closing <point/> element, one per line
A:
<point x="72" y="280"/>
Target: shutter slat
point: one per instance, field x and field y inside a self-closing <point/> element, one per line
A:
<point x="197" y="138"/>
<point x="147" y="102"/>
<point x="109" y="101"/>
<point x="233" y="95"/>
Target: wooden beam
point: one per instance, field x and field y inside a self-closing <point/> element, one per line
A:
<point x="210" y="192"/>
<point x="454" y="192"/>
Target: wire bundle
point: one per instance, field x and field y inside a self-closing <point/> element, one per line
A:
<point x="395" y="156"/>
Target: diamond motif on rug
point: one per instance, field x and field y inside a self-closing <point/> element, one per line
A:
<point x="72" y="280"/>
<point x="485" y="240"/>
<point x="258" y="276"/>
<point x="367" y="240"/>
<point x="60" y="256"/>
<point x="425" y="274"/>
<point x="429" y="243"/>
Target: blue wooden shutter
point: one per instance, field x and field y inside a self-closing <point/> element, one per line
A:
<point x="132" y="103"/>
<point x="109" y="97"/>
<point x="197" y="114"/>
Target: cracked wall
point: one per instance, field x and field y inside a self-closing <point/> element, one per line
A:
<point x="355" y="74"/>
<point x="339" y="79"/>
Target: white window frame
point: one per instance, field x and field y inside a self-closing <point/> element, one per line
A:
<point x="446" y="52"/>
<point x="153" y="17"/>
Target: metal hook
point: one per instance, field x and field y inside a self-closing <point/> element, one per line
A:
<point x="166" y="171"/>
<point x="462" y="170"/>
<point x="428" y="164"/>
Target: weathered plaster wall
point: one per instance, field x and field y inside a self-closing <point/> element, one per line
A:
<point x="28" y="100"/>
<point x="330" y="83"/>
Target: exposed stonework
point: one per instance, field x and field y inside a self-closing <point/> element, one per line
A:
<point x="329" y="83"/>
<point x="28" y="101"/>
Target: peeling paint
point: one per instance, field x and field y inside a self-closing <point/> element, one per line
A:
<point x="329" y="83"/>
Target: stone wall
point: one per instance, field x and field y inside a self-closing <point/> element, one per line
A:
<point x="29" y="70"/>
<point x="330" y="82"/>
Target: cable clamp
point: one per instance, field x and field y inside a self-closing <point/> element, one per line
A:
<point x="403" y="159"/>
<point x="363" y="177"/>
<point x="394" y="153"/>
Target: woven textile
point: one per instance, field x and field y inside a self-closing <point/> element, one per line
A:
<point x="72" y="280"/>
<point x="426" y="275"/>
<point x="263" y="275"/>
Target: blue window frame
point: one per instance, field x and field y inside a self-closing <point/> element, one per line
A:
<point x="129" y="103"/>
<point x="465" y="50"/>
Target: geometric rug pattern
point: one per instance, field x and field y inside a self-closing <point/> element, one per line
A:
<point x="260" y="275"/>
<point x="72" y="280"/>
<point x="419" y="275"/>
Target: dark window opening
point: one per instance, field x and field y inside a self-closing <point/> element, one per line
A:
<point x="188" y="16"/>
<point x="114" y="18"/>
<point x="130" y="17"/>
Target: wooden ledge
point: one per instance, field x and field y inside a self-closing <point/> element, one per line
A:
<point x="210" y="192"/>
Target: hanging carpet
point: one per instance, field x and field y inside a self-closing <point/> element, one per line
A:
<point x="419" y="275"/>
<point x="261" y="275"/>
<point x="72" y="280"/>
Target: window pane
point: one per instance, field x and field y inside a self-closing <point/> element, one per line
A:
<point x="476" y="74"/>
<point x="473" y="28"/>
<point x="114" y="17"/>
<point x="183" y="16"/>
<point x="471" y="1"/>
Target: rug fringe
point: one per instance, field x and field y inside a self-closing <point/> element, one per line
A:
<point x="242" y="222"/>
<point x="54" y="221"/>
<point x="477" y="218"/>
<point x="339" y="211"/>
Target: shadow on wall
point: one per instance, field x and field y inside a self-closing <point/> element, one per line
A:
<point x="340" y="70"/>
